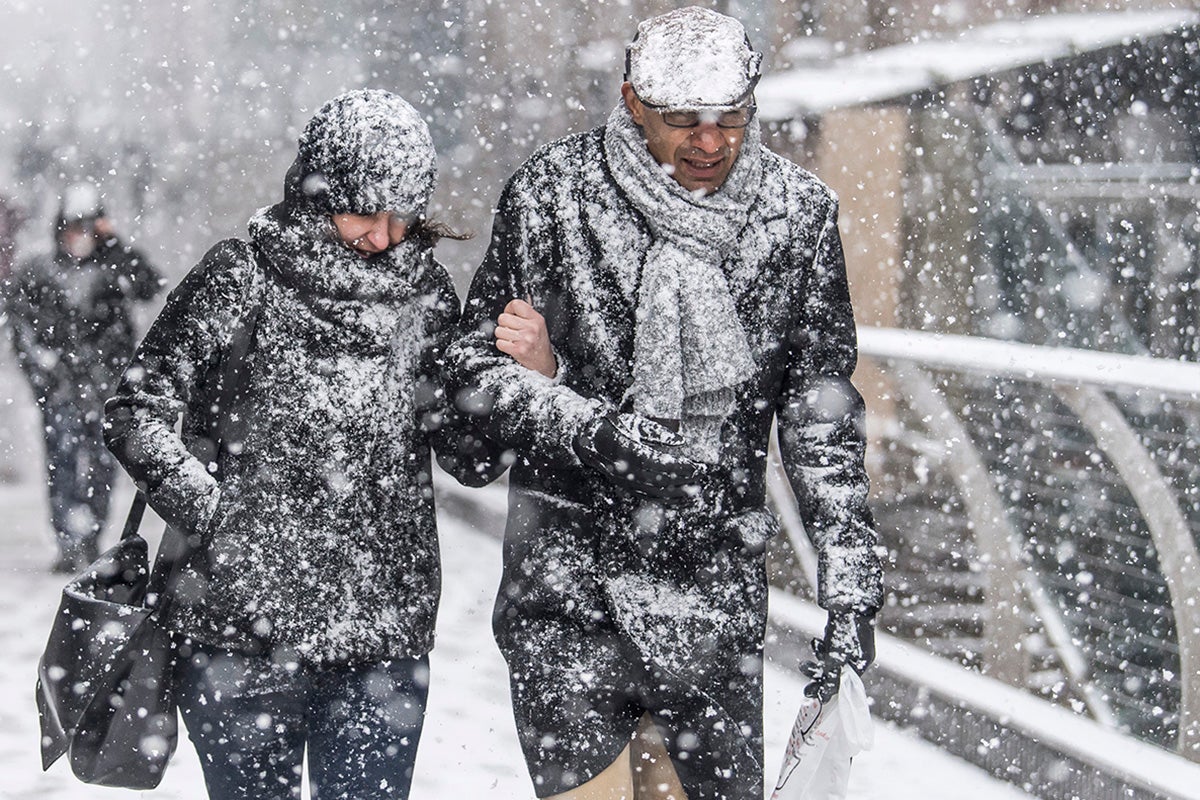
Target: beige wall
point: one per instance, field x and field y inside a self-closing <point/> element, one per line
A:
<point x="861" y="155"/>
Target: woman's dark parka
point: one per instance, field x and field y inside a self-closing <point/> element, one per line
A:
<point x="311" y="531"/>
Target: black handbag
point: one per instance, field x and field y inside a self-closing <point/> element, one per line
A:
<point x="104" y="689"/>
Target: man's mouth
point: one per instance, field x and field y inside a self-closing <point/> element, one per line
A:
<point x="703" y="166"/>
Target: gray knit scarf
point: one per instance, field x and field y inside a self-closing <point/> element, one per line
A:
<point x="690" y="350"/>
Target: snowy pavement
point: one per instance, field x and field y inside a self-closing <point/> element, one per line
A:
<point x="469" y="747"/>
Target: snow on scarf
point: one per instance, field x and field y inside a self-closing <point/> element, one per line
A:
<point x="338" y="290"/>
<point x="333" y="305"/>
<point x="301" y="556"/>
<point x="690" y="350"/>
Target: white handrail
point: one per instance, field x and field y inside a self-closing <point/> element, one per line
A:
<point x="1079" y="378"/>
<point x="1032" y="362"/>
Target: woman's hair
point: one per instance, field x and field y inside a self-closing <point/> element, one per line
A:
<point x="432" y="231"/>
<point x="429" y="231"/>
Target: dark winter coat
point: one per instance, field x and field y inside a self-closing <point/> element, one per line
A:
<point x="72" y="321"/>
<point x="566" y="237"/>
<point x="313" y="535"/>
<point x="10" y="222"/>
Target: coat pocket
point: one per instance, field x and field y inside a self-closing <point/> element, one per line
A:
<point x="698" y="614"/>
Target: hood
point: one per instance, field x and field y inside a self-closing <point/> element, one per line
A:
<point x="364" y="152"/>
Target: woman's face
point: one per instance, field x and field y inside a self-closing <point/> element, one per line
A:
<point x="368" y="234"/>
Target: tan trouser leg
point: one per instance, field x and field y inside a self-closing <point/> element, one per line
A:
<point x="643" y="771"/>
<point x="654" y="776"/>
<point x="614" y="783"/>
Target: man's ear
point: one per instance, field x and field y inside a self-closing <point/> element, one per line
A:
<point x="636" y="109"/>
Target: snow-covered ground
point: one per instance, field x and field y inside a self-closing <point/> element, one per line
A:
<point x="469" y="747"/>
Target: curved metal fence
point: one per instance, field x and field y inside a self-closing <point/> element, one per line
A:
<point x="1061" y="484"/>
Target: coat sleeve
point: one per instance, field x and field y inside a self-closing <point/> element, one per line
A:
<point x="461" y="448"/>
<point x="139" y="279"/>
<point x="22" y="299"/>
<point x="165" y="377"/>
<point x="822" y="439"/>
<point x="520" y="408"/>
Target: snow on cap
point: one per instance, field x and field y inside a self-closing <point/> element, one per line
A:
<point x="81" y="202"/>
<point x="692" y="58"/>
<point x="368" y="151"/>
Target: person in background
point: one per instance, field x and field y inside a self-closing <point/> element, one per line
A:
<point x="71" y="318"/>
<point x="679" y="286"/>
<point x="11" y="220"/>
<point x="302" y="516"/>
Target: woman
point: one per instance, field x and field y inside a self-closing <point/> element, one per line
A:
<point x="309" y="578"/>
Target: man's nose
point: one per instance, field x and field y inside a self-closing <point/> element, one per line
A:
<point x="708" y="137"/>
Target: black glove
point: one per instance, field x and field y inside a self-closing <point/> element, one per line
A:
<point x="849" y="639"/>
<point x="635" y="453"/>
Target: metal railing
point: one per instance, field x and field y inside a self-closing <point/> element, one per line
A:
<point x="1126" y="632"/>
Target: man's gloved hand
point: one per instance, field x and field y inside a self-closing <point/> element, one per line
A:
<point x="849" y="639"/>
<point x="635" y="453"/>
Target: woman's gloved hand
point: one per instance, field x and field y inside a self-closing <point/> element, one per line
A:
<point x="635" y="453"/>
<point x="849" y="639"/>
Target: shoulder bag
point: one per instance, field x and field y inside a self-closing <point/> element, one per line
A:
<point x="105" y="680"/>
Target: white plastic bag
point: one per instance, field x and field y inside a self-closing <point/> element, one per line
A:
<point x="816" y="765"/>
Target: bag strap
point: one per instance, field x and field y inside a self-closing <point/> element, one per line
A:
<point x="134" y="520"/>
<point x="237" y="357"/>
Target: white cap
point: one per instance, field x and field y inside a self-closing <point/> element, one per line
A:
<point x="81" y="202"/>
<point x="692" y="58"/>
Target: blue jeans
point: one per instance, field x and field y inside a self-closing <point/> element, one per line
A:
<point x="79" y="477"/>
<point x="250" y="719"/>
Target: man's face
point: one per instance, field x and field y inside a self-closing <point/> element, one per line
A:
<point x="79" y="240"/>
<point x="699" y="158"/>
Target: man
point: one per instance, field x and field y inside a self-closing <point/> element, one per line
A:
<point x="693" y="288"/>
<point x="11" y="220"/>
<point x="70" y="314"/>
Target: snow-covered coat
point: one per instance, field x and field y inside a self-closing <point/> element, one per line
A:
<point x="72" y="321"/>
<point x="312" y="533"/>
<point x="567" y="238"/>
<point x="10" y="222"/>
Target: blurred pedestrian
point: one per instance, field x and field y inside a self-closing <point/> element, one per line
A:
<point x="11" y="220"/>
<point x="307" y="540"/>
<point x="694" y="289"/>
<point x="70" y="315"/>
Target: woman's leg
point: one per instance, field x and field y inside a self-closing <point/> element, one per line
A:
<point x="246" y="718"/>
<point x="61" y="431"/>
<point x="97" y="474"/>
<point x="365" y="727"/>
